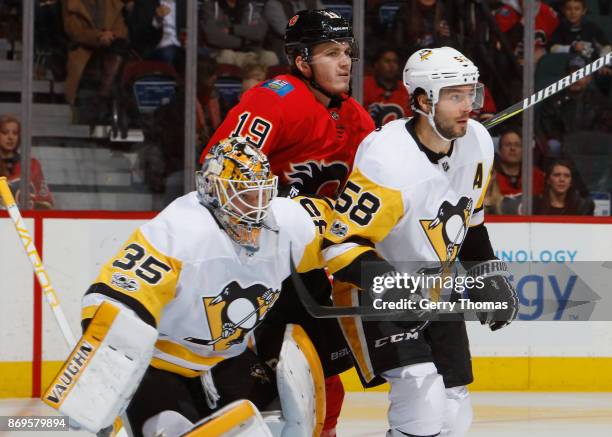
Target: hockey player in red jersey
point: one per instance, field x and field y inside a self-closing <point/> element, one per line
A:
<point x="309" y="127"/>
<point x="305" y="122"/>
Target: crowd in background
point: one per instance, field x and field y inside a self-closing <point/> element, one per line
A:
<point x="97" y="46"/>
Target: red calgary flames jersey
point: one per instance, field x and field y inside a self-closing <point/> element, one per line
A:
<point x="385" y="105"/>
<point x="546" y="21"/>
<point x="310" y="147"/>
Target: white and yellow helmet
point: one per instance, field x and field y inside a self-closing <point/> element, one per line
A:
<point x="434" y="69"/>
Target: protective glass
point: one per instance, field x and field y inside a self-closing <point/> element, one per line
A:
<point x="462" y="94"/>
<point x="335" y="49"/>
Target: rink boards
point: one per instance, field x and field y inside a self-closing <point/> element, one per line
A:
<point x="531" y="355"/>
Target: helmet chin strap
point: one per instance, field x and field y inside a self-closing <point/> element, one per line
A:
<point x="335" y="98"/>
<point x="432" y="123"/>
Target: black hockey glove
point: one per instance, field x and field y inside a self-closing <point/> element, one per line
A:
<point x="493" y="287"/>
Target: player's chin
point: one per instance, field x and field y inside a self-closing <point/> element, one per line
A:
<point x="460" y="129"/>
<point x="342" y="84"/>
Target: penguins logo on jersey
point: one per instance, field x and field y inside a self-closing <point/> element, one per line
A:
<point x="447" y="230"/>
<point x="234" y="312"/>
<point x="382" y="113"/>
<point x="314" y="177"/>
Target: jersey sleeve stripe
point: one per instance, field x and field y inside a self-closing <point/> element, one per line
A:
<point x="353" y="239"/>
<point x="341" y="255"/>
<point x="133" y="304"/>
<point x="160" y="364"/>
<point x="181" y="356"/>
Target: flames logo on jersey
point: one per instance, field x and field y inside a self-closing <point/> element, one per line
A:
<point x="383" y="113"/>
<point x="235" y="312"/>
<point x="314" y="177"/>
<point x="448" y="229"/>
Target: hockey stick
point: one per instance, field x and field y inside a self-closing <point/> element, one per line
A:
<point x="326" y="311"/>
<point x="550" y="90"/>
<point x="367" y="312"/>
<point x="39" y="270"/>
<point x="43" y="277"/>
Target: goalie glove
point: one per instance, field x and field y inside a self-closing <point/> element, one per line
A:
<point x="496" y="288"/>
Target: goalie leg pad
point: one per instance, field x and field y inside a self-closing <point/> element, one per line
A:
<point x="417" y="399"/>
<point x="238" y="419"/>
<point x="166" y="423"/>
<point x="301" y="385"/>
<point x="104" y="369"/>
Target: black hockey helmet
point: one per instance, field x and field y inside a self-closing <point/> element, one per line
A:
<point x="310" y="27"/>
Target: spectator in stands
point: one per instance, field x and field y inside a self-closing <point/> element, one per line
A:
<point x="277" y="14"/>
<point x="97" y="31"/>
<point x="384" y="94"/>
<point x="208" y="97"/>
<point x="10" y="24"/>
<point x="236" y="30"/>
<point x="493" y="197"/>
<point x="508" y="165"/>
<point x="578" y="35"/>
<point x="40" y="196"/>
<point x="252" y="74"/>
<point x="423" y="23"/>
<point x="578" y="107"/>
<point x="49" y="40"/>
<point x="156" y="27"/>
<point x="164" y="151"/>
<point x="560" y="197"/>
<point x="509" y="18"/>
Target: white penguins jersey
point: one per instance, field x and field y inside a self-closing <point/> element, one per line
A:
<point x="404" y="205"/>
<point x="181" y="273"/>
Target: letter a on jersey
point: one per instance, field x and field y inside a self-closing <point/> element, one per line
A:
<point x="478" y="176"/>
<point x="448" y="229"/>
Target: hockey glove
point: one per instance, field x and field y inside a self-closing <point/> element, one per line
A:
<point x="493" y="285"/>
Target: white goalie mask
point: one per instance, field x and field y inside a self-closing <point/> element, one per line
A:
<point x="237" y="185"/>
<point x="433" y="70"/>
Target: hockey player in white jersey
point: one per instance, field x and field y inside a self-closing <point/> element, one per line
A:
<point x="416" y="194"/>
<point x="183" y="297"/>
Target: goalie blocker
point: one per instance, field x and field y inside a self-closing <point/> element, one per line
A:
<point x="105" y="369"/>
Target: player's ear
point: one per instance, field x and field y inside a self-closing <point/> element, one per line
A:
<point x="424" y="103"/>
<point x="303" y="66"/>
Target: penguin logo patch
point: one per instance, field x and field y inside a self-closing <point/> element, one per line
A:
<point x="448" y="229"/>
<point x="234" y="312"/>
<point x="424" y="54"/>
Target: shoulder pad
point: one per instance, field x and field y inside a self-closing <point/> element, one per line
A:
<point x="279" y="86"/>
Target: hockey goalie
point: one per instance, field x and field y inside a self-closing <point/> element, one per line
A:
<point x="168" y="323"/>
